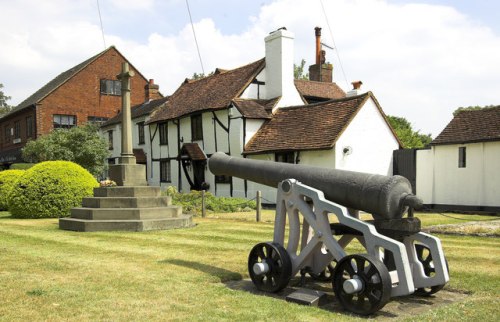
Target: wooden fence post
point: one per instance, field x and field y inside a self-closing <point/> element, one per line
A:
<point x="259" y="205"/>
<point x="203" y="210"/>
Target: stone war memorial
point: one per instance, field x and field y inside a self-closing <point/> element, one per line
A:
<point x="131" y="205"/>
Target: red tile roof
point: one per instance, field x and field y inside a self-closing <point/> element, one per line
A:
<point x="471" y="126"/>
<point x="193" y="152"/>
<point x="255" y="109"/>
<point x="309" y="127"/>
<point x="137" y="111"/>
<point x="210" y="93"/>
<point x="319" y="90"/>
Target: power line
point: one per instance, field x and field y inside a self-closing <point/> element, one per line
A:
<point x="333" y="40"/>
<point x="102" y="29"/>
<point x="195" y="40"/>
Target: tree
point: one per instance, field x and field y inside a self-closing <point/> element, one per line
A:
<point x="197" y="76"/>
<point x="298" y="71"/>
<point x="409" y="138"/>
<point x="4" y="107"/>
<point x="82" y="145"/>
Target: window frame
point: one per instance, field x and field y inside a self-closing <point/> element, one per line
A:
<point x="140" y="133"/>
<point x="61" y="125"/>
<point x="285" y="157"/>
<point x="196" y="127"/>
<point x="165" y="170"/>
<point x="163" y="128"/>
<point x="29" y="126"/>
<point x="462" y="157"/>
<point x="17" y="129"/>
<point x="223" y="179"/>
<point x="110" y="87"/>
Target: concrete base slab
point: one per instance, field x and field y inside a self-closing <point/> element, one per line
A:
<point x="307" y="297"/>
<point x="397" y="308"/>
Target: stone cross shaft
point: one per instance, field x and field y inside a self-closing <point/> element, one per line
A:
<point x="127" y="155"/>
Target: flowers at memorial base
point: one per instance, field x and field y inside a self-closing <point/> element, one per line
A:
<point x="107" y="183"/>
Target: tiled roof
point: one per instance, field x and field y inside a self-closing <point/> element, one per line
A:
<point x="209" y="93"/>
<point x="471" y="126"/>
<point x="255" y="109"/>
<point x="319" y="90"/>
<point x="308" y="127"/>
<point x="55" y="83"/>
<point x="193" y="151"/>
<point x="137" y="111"/>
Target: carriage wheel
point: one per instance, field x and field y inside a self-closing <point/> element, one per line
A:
<point x="270" y="267"/>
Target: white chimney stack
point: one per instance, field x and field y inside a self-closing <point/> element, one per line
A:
<point x="356" y="89"/>
<point x="279" y="68"/>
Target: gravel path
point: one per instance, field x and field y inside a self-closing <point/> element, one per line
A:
<point x="488" y="228"/>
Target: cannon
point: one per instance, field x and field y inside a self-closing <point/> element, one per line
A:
<point x="399" y="259"/>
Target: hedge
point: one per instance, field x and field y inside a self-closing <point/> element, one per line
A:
<point x="7" y="180"/>
<point x="50" y="189"/>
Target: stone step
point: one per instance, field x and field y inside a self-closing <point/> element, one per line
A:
<point x="126" y="202"/>
<point x="75" y="224"/>
<point x="139" y="191"/>
<point x="126" y="213"/>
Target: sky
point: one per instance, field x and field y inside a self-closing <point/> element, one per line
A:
<point x="422" y="59"/>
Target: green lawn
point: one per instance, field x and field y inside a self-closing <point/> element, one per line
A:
<point x="49" y="274"/>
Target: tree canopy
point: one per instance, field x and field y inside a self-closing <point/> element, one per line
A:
<point x="409" y="138"/>
<point x="4" y="107"/>
<point x="471" y="108"/>
<point x="298" y="71"/>
<point x="82" y="145"/>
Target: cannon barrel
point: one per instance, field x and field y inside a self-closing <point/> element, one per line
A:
<point x="385" y="197"/>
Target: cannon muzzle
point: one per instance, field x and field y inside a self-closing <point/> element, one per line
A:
<point x="385" y="197"/>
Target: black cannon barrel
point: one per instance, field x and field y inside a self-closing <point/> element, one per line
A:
<point x="385" y="197"/>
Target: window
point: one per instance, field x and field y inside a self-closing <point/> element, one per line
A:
<point x="285" y="157"/>
<point x="111" y="161"/>
<point x="223" y="179"/>
<point x="462" y="156"/>
<point x="141" y="132"/>
<point x="165" y="175"/>
<point x="17" y="130"/>
<point x="29" y="126"/>
<point x="111" y="87"/>
<point x="97" y="119"/>
<point x="110" y="140"/>
<point x="163" y="133"/>
<point x="64" y="121"/>
<point x="196" y="127"/>
<point x="7" y="134"/>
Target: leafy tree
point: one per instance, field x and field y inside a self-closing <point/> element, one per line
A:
<point x="409" y="138"/>
<point x="82" y="145"/>
<point x="298" y="71"/>
<point x="4" y="107"/>
<point x="197" y="76"/>
<point x="471" y="108"/>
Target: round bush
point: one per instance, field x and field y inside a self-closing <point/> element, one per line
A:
<point x="50" y="189"/>
<point x="7" y="180"/>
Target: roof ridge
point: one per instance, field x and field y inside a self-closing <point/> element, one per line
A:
<point x="335" y="100"/>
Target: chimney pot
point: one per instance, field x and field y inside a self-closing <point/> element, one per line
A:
<point x="151" y="81"/>
<point x="356" y="84"/>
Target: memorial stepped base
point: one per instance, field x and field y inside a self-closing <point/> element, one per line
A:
<point x="126" y="208"/>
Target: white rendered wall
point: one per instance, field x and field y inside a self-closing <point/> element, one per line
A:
<point x="371" y="141"/>
<point x="440" y="181"/>
<point x="279" y="68"/>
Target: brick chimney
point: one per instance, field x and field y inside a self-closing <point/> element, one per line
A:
<point x="279" y="68"/>
<point x="152" y="91"/>
<point x="320" y="72"/>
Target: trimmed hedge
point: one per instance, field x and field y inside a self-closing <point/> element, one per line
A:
<point x="7" y="180"/>
<point x="50" y="189"/>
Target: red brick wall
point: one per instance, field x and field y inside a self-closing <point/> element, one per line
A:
<point x="81" y="95"/>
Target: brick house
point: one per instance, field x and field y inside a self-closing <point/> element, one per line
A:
<point x="88" y="92"/>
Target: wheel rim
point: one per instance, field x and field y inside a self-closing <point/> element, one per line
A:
<point x="375" y="278"/>
<point x="424" y="256"/>
<point x="278" y="263"/>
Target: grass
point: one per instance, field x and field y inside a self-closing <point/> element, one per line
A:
<point x="50" y="274"/>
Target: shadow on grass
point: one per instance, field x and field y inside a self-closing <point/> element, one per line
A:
<point x="223" y="274"/>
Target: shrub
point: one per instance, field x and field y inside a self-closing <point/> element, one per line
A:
<point x="191" y="202"/>
<point x="50" y="189"/>
<point x="7" y="180"/>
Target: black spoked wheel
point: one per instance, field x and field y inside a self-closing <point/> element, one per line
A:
<point x="270" y="267"/>
<point x="362" y="284"/>
<point x="424" y="256"/>
<point x="327" y="274"/>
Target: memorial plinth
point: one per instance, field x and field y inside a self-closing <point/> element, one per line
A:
<point x="132" y="205"/>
